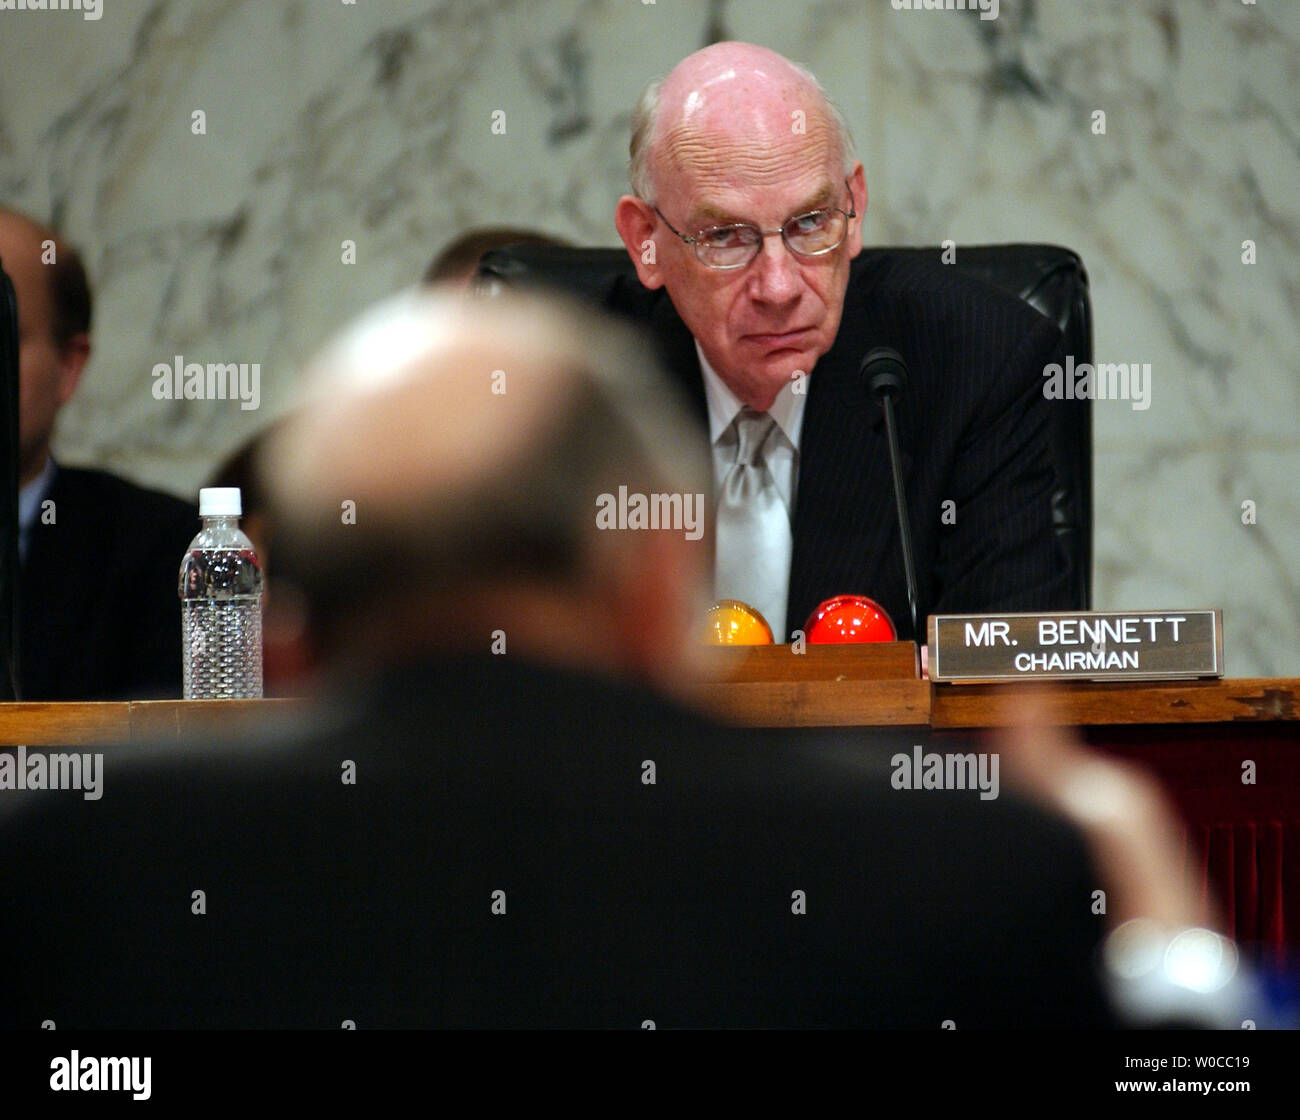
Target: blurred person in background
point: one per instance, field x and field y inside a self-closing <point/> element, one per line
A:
<point x="286" y="657"/>
<point x="457" y="263"/>
<point x="99" y="617"/>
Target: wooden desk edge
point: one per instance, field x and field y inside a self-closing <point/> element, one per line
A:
<point x="1114" y="703"/>
<point x="118" y="722"/>
<point x="817" y="703"/>
<point x="790" y="703"/>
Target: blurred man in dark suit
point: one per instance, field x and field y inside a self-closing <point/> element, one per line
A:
<point x="98" y="612"/>
<point x="498" y="815"/>
<point x="744" y="221"/>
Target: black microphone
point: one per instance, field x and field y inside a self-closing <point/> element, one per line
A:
<point x="886" y="376"/>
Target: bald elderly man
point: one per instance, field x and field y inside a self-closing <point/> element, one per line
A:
<point x="98" y="613"/>
<point x="744" y="221"/>
<point x="499" y="815"/>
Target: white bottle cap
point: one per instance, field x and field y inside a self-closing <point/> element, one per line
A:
<point x="219" y="501"/>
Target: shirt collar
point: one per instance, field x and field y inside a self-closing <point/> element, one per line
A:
<point x="29" y="503"/>
<point x="786" y="410"/>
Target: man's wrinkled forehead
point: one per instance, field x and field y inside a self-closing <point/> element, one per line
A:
<point x="713" y="208"/>
<point x="715" y="171"/>
<point x="741" y="109"/>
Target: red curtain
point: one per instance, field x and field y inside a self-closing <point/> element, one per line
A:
<point x="1243" y="867"/>
<point x="1237" y="786"/>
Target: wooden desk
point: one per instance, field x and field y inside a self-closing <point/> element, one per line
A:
<point x="872" y="686"/>
<point x="836" y="686"/>
<point x="114" y="723"/>
<point x="759" y="686"/>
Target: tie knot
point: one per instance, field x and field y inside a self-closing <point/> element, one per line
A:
<point x="752" y="430"/>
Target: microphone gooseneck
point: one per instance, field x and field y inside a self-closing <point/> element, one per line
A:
<point x="886" y="376"/>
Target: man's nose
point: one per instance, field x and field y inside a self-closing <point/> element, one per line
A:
<point x="777" y="271"/>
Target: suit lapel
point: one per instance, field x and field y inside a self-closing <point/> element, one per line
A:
<point x="677" y="350"/>
<point x="844" y="514"/>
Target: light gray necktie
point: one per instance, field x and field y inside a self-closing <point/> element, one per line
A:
<point x="754" y="540"/>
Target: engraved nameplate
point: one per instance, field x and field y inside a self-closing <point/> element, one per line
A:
<point x="1070" y="645"/>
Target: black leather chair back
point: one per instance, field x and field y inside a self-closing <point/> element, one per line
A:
<point x="1048" y="277"/>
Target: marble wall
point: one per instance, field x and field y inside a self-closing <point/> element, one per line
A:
<point x="370" y="122"/>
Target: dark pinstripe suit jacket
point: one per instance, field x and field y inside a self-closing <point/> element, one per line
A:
<point x="973" y="428"/>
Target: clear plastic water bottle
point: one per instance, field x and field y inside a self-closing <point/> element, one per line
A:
<point x="221" y="605"/>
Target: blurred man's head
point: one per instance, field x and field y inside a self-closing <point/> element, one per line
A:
<point x="457" y="264"/>
<point x="54" y="307"/>
<point x="738" y="134"/>
<point x="443" y="479"/>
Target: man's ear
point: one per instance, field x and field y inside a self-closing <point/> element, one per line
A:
<point x="635" y="221"/>
<point x="858" y="187"/>
<point x="72" y="360"/>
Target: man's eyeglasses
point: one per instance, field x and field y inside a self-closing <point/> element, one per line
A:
<point x="807" y="235"/>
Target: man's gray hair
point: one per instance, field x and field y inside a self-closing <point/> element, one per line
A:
<point x="646" y="115"/>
